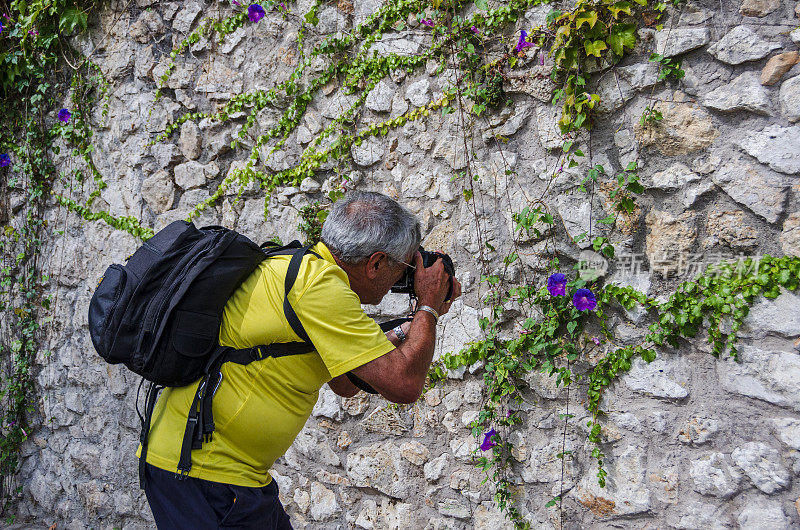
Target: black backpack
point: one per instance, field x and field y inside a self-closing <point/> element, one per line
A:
<point x="160" y="316"/>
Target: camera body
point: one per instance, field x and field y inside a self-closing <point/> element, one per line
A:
<point x="406" y="284"/>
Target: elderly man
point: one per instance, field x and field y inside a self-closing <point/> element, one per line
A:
<point x="368" y="240"/>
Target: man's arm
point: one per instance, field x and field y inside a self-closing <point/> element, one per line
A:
<point x="342" y="386"/>
<point x="400" y="375"/>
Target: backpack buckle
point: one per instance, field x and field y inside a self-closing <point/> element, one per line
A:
<point x="257" y="353"/>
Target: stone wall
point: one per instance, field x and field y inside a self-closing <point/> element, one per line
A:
<point x="693" y="442"/>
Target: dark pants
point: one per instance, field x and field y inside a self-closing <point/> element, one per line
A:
<point x="195" y="504"/>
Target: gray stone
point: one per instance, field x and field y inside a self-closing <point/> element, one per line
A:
<point x="669" y="240"/>
<point x="700" y="516"/>
<point x="334" y="107"/>
<point x="379" y="466"/>
<point x="777" y="66"/>
<point x="740" y="45"/>
<point x="190" y="140"/>
<point x="714" y="476"/>
<point x="534" y="82"/>
<point x="453" y="508"/>
<point x="314" y="445"/>
<point x="698" y="430"/>
<point x="380" y="98"/>
<point x="621" y="84"/>
<point x="790" y="99"/>
<point x="158" y="191"/>
<point x="327" y="405"/>
<point x="193" y="174"/>
<point x="417" y="185"/>
<point x="576" y="221"/>
<point x="547" y="117"/>
<point x="732" y="229"/>
<point x="788" y="431"/>
<point x="761" y="191"/>
<point x="758" y="8"/>
<point x="763" y="514"/>
<point x="309" y="185"/>
<point x="776" y="146"/>
<point x="763" y="465"/>
<point x="147" y="27"/>
<point x="790" y="236"/>
<point x="743" y="93"/>
<point x="369" y="152"/>
<point x="418" y="93"/>
<point x="323" y="502"/>
<point x="435" y="468"/>
<point x="780" y="316"/>
<point x="795" y="36"/>
<point x="769" y="376"/>
<point x="185" y="18"/>
<point x="676" y="177"/>
<point x="681" y="40"/>
<point x="415" y="452"/>
<point x="660" y="378"/>
<point x="399" y="46"/>
<point x="626" y="491"/>
<point x="451" y="149"/>
<point x="685" y="128"/>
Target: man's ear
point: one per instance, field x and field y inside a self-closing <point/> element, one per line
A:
<point x="375" y="262"/>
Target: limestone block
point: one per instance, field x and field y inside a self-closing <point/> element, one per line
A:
<point x="148" y="26"/>
<point x="777" y="66"/>
<point x="626" y="491"/>
<point x="158" y="191"/>
<point x="183" y="21"/>
<point x="763" y="192"/>
<point x="772" y="376"/>
<point x="314" y="445"/>
<point x="576" y="220"/>
<point x="617" y="87"/>
<point x="698" y="431"/>
<point x="417" y="185"/>
<point x="434" y="469"/>
<point x="776" y="146"/>
<point x="418" y="93"/>
<point x="193" y="174"/>
<point x="681" y="40"/>
<point x="356" y="405"/>
<point x="453" y="508"/>
<point x="740" y="45"/>
<point x="790" y="98"/>
<point x="780" y="316"/>
<point x="758" y="8"/>
<point x="795" y="36"/>
<point x="463" y="447"/>
<point x="323" y="502"/>
<point x="684" y="129"/>
<point x="190" y="140"/>
<point x="398" y="45"/>
<point x="144" y="62"/>
<point x="547" y="117"/>
<point x="788" y="431"/>
<point x="669" y="240"/>
<point x="488" y="515"/>
<point x="379" y="466"/>
<point x="743" y="93"/>
<point x="676" y="177"/>
<point x="763" y="465"/>
<point x="451" y="149"/>
<point x="731" y="228"/>
<point x="327" y="405"/>
<point x="763" y="514"/>
<point x="415" y="452"/>
<point x="380" y="98"/>
<point x="790" y="237"/>
<point x="664" y="378"/>
<point x="384" y="420"/>
<point x="534" y="81"/>
<point x="370" y="151"/>
<point x="699" y="515"/>
<point x="543" y="465"/>
<point x="714" y="476"/>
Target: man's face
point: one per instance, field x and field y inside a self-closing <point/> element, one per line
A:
<point x="387" y="273"/>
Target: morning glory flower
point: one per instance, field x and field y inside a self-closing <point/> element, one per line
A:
<point x="475" y="30"/>
<point x="5" y="160"/>
<point x="427" y="22"/>
<point x="237" y="4"/>
<point x="487" y="440"/>
<point x="557" y="284"/>
<point x="255" y="12"/>
<point x="64" y="115"/>
<point x="33" y="32"/>
<point x="584" y="300"/>
<point x="522" y="44"/>
<point x="1" y="27"/>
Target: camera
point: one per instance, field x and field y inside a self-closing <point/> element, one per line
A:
<point x="406" y="284"/>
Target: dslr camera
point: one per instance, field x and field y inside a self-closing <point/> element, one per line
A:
<point x="406" y="284"/>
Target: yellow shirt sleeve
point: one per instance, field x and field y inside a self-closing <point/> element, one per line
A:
<point x="344" y="336"/>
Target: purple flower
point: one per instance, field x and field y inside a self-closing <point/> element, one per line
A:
<point x="255" y="13"/>
<point x="522" y="44"/>
<point x="557" y="284"/>
<point x="5" y="160"/>
<point x="64" y="115"/>
<point x="1" y="27"/>
<point x="584" y="300"/>
<point x="427" y="22"/>
<point x="475" y="30"/>
<point x="237" y="4"/>
<point x="33" y="33"/>
<point x="487" y="440"/>
<point x="541" y="58"/>
<point x="596" y="340"/>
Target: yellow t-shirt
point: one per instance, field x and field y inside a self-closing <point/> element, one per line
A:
<point x="260" y="408"/>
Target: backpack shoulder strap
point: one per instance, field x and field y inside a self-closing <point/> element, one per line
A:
<point x="291" y="276"/>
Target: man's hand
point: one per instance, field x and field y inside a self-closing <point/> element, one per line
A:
<point x="432" y="284"/>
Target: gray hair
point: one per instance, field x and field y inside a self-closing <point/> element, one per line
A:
<point x="362" y="223"/>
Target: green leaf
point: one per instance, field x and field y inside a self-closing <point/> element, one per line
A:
<point x="311" y="18"/>
<point x="622" y="36"/>
<point x="552" y="502"/>
<point x="571" y="326"/>
<point x="589" y="17"/>
<point x="595" y="47"/>
<point x="620" y="7"/>
<point x="482" y="4"/>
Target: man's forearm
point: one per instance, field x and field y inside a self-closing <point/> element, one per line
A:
<point x="419" y="345"/>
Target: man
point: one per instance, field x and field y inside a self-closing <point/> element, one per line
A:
<point x="368" y="240"/>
